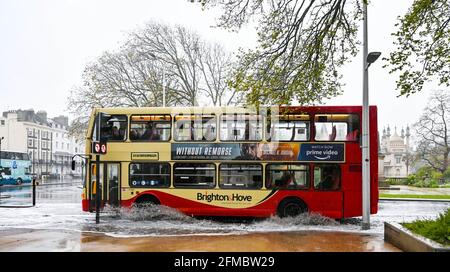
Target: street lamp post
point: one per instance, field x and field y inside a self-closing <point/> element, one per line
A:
<point x="164" y="88"/>
<point x="163" y="80"/>
<point x="367" y="60"/>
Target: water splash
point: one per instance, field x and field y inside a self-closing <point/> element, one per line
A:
<point x="305" y="219"/>
<point x="145" y="212"/>
<point x="157" y="220"/>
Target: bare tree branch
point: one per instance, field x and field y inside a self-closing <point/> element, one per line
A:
<point x="433" y="133"/>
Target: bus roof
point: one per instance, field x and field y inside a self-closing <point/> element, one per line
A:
<point x="218" y="110"/>
<point x="171" y="110"/>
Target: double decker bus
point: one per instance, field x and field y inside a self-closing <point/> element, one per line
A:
<point x="216" y="161"/>
<point x="14" y="168"/>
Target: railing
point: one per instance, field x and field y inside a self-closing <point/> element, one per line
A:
<point x="33" y="194"/>
<point x="33" y="186"/>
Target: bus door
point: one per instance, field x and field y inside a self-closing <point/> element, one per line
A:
<point x="328" y="195"/>
<point x="92" y="185"/>
<point x="112" y="183"/>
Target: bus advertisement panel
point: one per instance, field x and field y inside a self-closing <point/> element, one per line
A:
<point x="302" y="152"/>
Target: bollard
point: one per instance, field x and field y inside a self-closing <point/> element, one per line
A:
<point x="34" y="192"/>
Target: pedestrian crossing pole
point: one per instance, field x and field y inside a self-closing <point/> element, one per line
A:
<point x="97" y="186"/>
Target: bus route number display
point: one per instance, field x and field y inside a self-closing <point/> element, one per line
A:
<point x="99" y="148"/>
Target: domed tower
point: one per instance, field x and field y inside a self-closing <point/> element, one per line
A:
<point x="383" y="141"/>
<point x="407" y="137"/>
<point x="396" y="140"/>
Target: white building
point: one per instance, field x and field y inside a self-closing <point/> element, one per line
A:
<point x="45" y="140"/>
<point x="394" y="154"/>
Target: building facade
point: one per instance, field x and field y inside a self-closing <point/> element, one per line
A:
<point x="46" y="141"/>
<point x="395" y="154"/>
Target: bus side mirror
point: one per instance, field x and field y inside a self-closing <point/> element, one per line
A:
<point x="73" y="165"/>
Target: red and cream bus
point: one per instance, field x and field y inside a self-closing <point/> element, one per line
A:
<point x="214" y="161"/>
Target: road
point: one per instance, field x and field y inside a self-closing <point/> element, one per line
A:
<point x="58" y="219"/>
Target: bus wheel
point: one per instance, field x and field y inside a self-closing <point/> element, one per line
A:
<point x="146" y="200"/>
<point x="290" y="207"/>
<point x="19" y="181"/>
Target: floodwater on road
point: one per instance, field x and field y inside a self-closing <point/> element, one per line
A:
<point x="58" y="209"/>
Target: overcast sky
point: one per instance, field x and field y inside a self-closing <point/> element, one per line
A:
<point x="45" y="45"/>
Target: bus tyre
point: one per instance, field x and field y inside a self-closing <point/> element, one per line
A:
<point x="19" y="181"/>
<point x="291" y="207"/>
<point x="145" y="201"/>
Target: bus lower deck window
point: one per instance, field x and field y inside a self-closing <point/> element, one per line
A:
<point x="245" y="176"/>
<point x="327" y="177"/>
<point x="287" y="176"/>
<point x="149" y="175"/>
<point x="194" y="175"/>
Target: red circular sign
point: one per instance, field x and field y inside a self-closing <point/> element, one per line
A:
<point x="103" y="148"/>
<point x="97" y="147"/>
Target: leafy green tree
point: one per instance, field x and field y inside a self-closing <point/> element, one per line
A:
<point x="423" y="46"/>
<point x="301" y="45"/>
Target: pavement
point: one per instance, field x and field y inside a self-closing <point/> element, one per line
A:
<point x="409" y="190"/>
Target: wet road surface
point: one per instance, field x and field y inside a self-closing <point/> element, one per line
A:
<point x="314" y="241"/>
<point x="58" y="224"/>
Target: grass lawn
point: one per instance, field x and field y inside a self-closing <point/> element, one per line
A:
<point x="415" y="196"/>
<point x="437" y="230"/>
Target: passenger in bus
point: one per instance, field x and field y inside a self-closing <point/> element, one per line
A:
<point x="115" y="134"/>
<point x="147" y="132"/>
<point x="330" y="179"/>
<point x="353" y="127"/>
<point x="332" y="136"/>
<point x="150" y="133"/>
<point x="353" y="135"/>
<point x="134" y="134"/>
<point x="209" y="134"/>
<point x="155" y="135"/>
<point x="286" y="179"/>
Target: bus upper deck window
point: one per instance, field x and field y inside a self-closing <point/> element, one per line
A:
<point x="150" y="127"/>
<point x="112" y="128"/>
<point x="289" y="128"/>
<point x="195" y="128"/>
<point x="241" y="127"/>
<point x="337" y="127"/>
